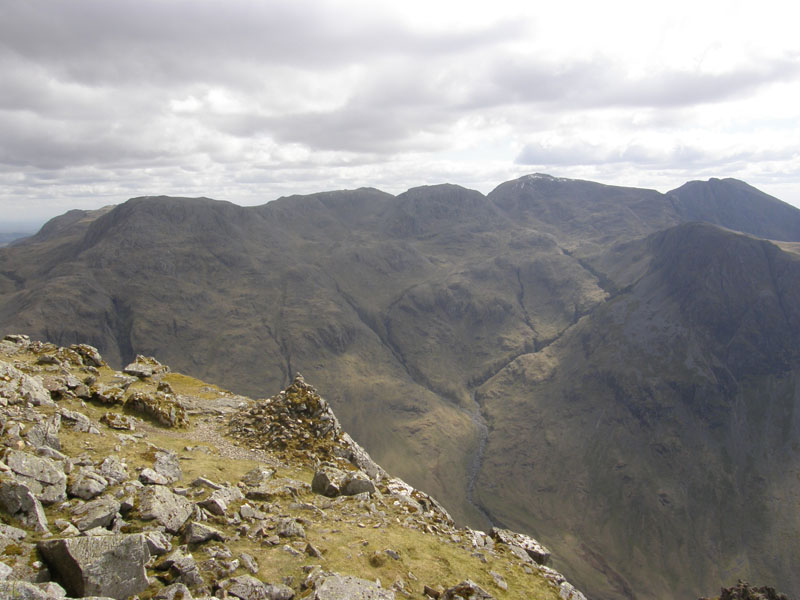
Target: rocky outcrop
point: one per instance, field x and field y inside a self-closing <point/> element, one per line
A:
<point x="151" y="521"/>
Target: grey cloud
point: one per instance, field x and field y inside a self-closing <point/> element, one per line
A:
<point x="602" y="83"/>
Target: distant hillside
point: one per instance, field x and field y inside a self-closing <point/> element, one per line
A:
<point x="562" y="356"/>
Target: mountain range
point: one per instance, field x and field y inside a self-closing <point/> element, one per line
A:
<point x="612" y="370"/>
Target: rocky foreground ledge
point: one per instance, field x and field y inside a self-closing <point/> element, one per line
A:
<point x="149" y="484"/>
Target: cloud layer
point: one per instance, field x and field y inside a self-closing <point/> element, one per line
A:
<point x="247" y="101"/>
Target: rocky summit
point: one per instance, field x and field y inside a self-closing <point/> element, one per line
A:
<point x="144" y="483"/>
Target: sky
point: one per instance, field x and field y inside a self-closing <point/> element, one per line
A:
<point x="247" y="100"/>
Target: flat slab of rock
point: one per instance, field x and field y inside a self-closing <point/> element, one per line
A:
<point x="159" y="503"/>
<point x="533" y="548"/>
<point x="112" y="565"/>
<point x="346" y="587"/>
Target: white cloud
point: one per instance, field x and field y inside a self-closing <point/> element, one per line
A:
<point x="246" y="101"/>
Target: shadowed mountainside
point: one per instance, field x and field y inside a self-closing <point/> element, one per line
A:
<point x="605" y="352"/>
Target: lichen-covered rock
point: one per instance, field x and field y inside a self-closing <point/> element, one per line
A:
<point x="20" y="503"/>
<point x="112" y="565"/>
<point x="87" y="484"/>
<point x="44" y="477"/>
<point x="328" y="481"/>
<point x="145" y="366"/>
<point x="169" y="509"/>
<point x="466" y="590"/>
<point x="99" y="512"/>
<point x="219" y="500"/>
<point x="113" y="469"/>
<point x="159" y="406"/>
<point x="22" y="590"/>
<point x="118" y="421"/>
<point x="17" y="387"/>
<point x="534" y="549"/>
<point x="198" y="533"/>
<point x="247" y="587"/>
<point x="46" y="433"/>
<point x="346" y="587"/>
<point x="89" y="354"/>
<point x="168" y="464"/>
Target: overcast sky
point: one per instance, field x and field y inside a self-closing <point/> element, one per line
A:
<point x="247" y="100"/>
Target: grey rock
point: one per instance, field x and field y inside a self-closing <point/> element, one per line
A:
<point x="534" y="549"/>
<point x="87" y="484"/>
<point x="328" y="481"/>
<point x="78" y="421"/>
<point x="290" y="528"/>
<point x="175" y="591"/>
<point x="346" y="587"/>
<point x="168" y="464"/>
<point x="257" y="476"/>
<point x="181" y="564"/>
<point x="21" y="590"/>
<point x="197" y="533"/>
<point x="158" y="543"/>
<point x="46" y="433"/>
<point x="112" y="565"/>
<point x="118" y="421"/>
<point x="18" y="501"/>
<point x="114" y="470"/>
<point x="5" y="571"/>
<point x="159" y="503"/>
<point x="44" y="477"/>
<point x="249" y="562"/>
<point x="99" y="512"/>
<point x="466" y="590"/>
<point x="149" y="477"/>
<point x="247" y="587"/>
<point x="355" y="484"/>
<point x="276" y="488"/>
<point x="248" y="512"/>
<point x="219" y="500"/>
<point x="203" y="482"/>
<point x="89" y="354"/>
<point x="52" y="589"/>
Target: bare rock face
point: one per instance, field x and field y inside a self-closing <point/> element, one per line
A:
<point x="112" y="565"/>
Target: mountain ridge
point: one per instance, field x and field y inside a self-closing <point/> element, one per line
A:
<point x="411" y="307"/>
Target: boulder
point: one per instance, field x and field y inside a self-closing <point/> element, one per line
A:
<point x="118" y="421"/>
<point x="168" y="465"/>
<point x="19" y="502"/>
<point x="197" y="533"/>
<point x="534" y="549"/>
<point x="114" y="470"/>
<point x="46" y="433"/>
<point x="22" y="590"/>
<point x="247" y="587"/>
<point x="99" y="512"/>
<point x="346" y="587"/>
<point x="219" y="500"/>
<point x="149" y="477"/>
<point x="44" y="477"/>
<point x="466" y="590"/>
<point x="328" y="481"/>
<point x="290" y="528"/>
<point x="169" y="509"/>
<point x="357" y="484"/>
<point x="87" y="484"/>
<point x="112" y="565"/>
